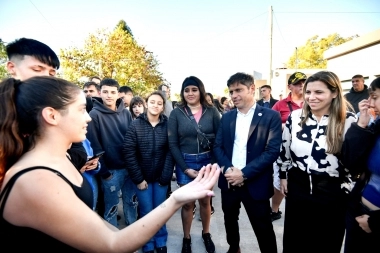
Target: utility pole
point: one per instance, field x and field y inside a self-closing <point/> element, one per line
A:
<point x="270" y="44"/>
<point x="296" y="58"/>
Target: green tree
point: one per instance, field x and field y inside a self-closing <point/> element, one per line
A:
<point x="3" y="60"/>
<point x="177" y="97"/>
<point x="226" y="92"/>
<point x="125" y="27"/>
<point x="116" y="55"/>
<point x="310" y="55"/>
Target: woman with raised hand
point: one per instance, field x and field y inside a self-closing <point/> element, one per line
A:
<point x="360" y="152"/>
<point x="149" y="162"/>
<point x="191" y="125"/>
<point x="315" y="182"/>
<point x="44" y="199"/>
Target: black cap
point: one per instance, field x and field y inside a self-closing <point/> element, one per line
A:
<point x="296" y="77"/>
<point x="189" y="81"/>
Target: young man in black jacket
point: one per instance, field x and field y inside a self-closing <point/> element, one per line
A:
<point x="266" y="97"/>
<point x="106" y="133"/>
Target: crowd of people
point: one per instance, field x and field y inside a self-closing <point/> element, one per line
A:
<point x="68" y="155"/>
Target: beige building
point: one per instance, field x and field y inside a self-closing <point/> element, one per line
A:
<point x="358" y="56"/>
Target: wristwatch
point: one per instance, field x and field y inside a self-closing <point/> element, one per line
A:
<point x="244" y="177"/>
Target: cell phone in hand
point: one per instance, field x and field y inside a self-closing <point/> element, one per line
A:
<point x="96" y="156"/>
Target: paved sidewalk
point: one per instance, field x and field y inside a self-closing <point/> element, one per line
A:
<point x="248" y="242"/>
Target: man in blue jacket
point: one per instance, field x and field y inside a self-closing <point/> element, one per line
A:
<point x="247" y="156"/>
<point x="106" y="133"/>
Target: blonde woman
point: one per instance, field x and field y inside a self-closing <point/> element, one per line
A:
<point x="313" y="179"/>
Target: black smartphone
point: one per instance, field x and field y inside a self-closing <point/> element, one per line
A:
<point x="96" y="156"/>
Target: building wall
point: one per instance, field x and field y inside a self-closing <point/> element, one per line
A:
<point x="258" y="84"/>
<point x="358" y="56"/>
<point x="359" y="62"/>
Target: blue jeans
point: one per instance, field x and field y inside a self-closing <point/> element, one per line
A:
<point x="120" y="181"/>
<point x="193" y="161"/>
<point x="149" y="199"/>
<point x="94" y="185"/>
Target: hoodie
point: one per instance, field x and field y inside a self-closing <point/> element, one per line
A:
<point x="106" y="133"/>
<point x="354" y="97"/>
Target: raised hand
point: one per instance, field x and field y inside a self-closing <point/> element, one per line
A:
<point x="200" y="186"/>
<point x="365" y="114"/>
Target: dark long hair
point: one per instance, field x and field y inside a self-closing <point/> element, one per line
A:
<point x="201" y="88"/>
<point x="136" y="100"/>
<point x="21" y="106"/>
<point x="375" y="84"/>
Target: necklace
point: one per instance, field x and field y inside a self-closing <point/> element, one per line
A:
<point x="193" y="106"/>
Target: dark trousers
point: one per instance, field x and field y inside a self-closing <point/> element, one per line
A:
<point x="314" y="222"/>
<point x="357" y="240"/>
<point x="312" y="227"/>
<point x="100" y="203"/>
<point x="258" y="212"/>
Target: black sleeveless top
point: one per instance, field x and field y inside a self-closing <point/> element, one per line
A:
<point x="21" y="239"/>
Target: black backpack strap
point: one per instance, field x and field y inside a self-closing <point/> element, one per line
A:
<point x="192" y="119"/>
<point x="7" y="188"/>
<point x="290" y="106"/>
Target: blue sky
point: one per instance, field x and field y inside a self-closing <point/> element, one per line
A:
<point x="209" y="39"/>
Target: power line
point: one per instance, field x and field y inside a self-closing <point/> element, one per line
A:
<point x="245" y="22"/>
<point x="217" y="35"/>
<point x="41" y="13"/>
<point x="47" y="21"/>
<point x="329" y="12"/>
<point x="279" y="28"/>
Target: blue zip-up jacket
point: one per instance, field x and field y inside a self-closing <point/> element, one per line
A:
<point x="106" y="133"/>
